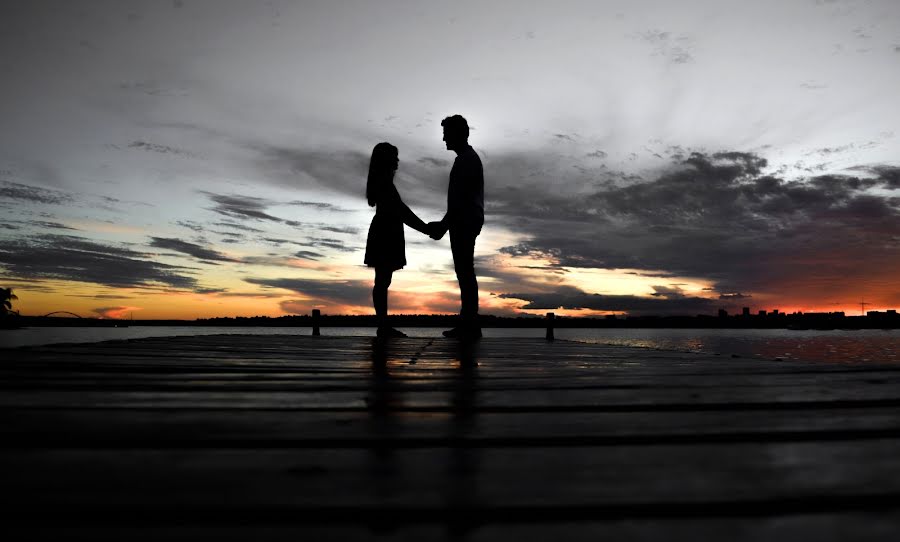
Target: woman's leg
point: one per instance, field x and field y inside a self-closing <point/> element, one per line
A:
<point x="380" y="294"/>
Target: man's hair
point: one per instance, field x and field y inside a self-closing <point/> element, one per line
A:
<point x="456" y="125"/>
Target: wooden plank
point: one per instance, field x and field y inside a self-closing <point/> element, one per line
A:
<point x="404" y="378"/>
<point x="761" y="475"/>
<point x="856" y="526"/>
<point x="612" y="398"/>
<point x="161" y="429"/>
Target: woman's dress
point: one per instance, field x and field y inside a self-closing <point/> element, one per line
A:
<point x="386" y="246"/>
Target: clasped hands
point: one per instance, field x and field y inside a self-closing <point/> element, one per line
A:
<point x="436" y="230"/>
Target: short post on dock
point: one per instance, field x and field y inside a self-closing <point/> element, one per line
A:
<point x="315" y="323"/>
<point x="550" y="318"/>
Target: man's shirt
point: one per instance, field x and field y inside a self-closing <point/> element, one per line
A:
<point x="465" y="195"/>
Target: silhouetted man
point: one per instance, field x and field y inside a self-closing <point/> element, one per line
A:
<point x="464" y="219"/>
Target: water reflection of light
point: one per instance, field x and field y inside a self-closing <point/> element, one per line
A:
<point x="833" y="347"/>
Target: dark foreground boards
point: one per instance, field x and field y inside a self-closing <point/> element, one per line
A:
<point x="280" y="437"/>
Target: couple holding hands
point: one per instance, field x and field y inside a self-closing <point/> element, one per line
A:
<point x="386" y="247"/>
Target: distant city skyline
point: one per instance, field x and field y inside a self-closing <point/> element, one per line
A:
<point x="195" y="158"/>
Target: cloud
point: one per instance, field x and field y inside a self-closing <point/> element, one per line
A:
<point x="103" y="296"/>
<point x="573" y="298"/>
<point x="334" y="244"/>
<point x="242" y="207"/>
<point x="322" y="206"/>
<point x="303" y="254"/>
<point x="675" y="48"/>
<point x="252" y="295"/>
<point x="334" y="292"/>
<point x="342" y="171"/>
<point x="336" y="229"/>
<point x="115" y="312"/>
<point x="190" y="224"/>
<point x="34" y="194"/>
<point x="435" y="162"/>
<point x="191" y="249"/>
<point x="237" y="226"/>
<point x="161" y="149"/>
<point x="51" y="225"/>
<point x="66" y="257"/>
<point x="209" y="290"/>
<point x="714" y="216"/>
<point x="400" y="303"/>
<point x="308" y="255"/>
<point x="668" y="292"/>
<point x="735" y="295"/>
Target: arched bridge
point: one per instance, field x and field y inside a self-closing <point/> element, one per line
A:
<point x="61" y="312"/>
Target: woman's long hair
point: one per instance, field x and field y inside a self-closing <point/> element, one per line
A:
<point x="381" y="171"/>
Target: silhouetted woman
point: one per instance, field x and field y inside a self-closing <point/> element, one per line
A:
<point x="386" y="247"/>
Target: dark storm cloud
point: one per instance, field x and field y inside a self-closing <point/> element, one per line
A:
<point x="713" y="216"/>
<point x="34" y="194"/>
<point x="572" y="298"/>
<point x="191" y="249"/>
<point x="65" y="257"/>
<point x="344" y="292"/>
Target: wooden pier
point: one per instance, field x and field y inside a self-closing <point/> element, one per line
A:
<point x="273" y="437"/>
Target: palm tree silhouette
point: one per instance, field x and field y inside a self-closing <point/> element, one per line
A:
<point x="6" y="299"/>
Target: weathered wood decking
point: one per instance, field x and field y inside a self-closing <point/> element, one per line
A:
<point x="256" y="437"/>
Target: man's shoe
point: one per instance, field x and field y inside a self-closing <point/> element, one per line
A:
<point x="385" y="332"/>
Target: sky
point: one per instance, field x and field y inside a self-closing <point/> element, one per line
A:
<point x="193" y="159"/>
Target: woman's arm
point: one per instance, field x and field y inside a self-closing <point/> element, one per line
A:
<point x="410" y="219"/>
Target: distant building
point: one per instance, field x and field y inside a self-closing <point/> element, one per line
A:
<point x="762" y="313"/>
<point x="774" y="312"/>
<point x="745" y="312"/>
<point x="723" y="313"/>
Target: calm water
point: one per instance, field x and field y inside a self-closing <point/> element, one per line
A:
<point x="860" y="346"/>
